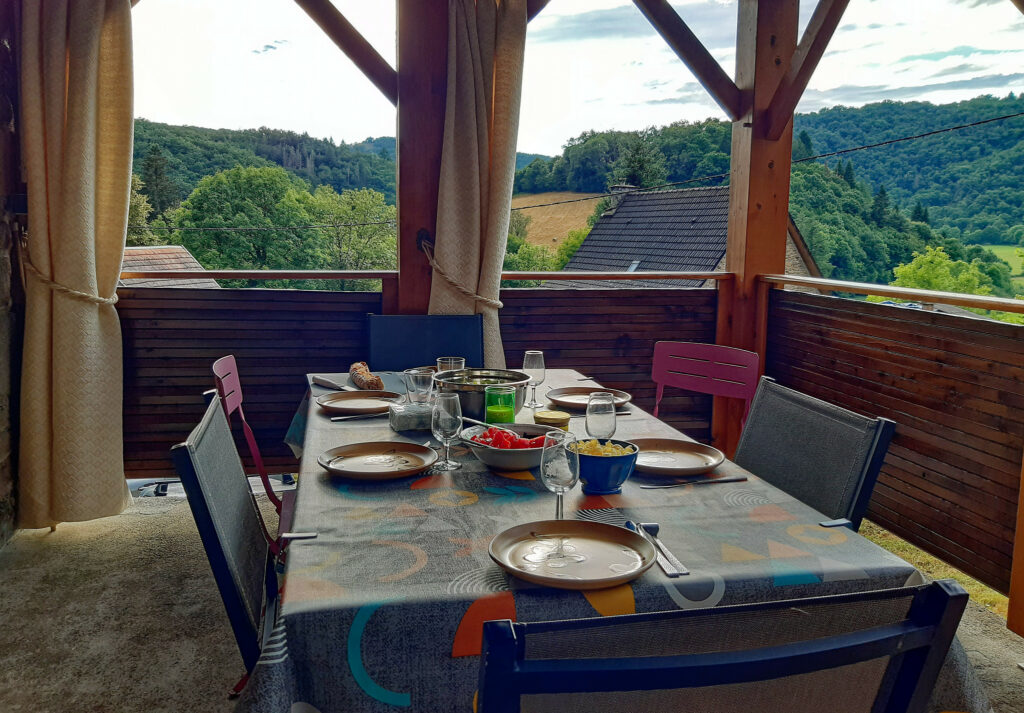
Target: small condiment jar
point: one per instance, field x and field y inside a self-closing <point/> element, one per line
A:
<point x="558" y="419"/>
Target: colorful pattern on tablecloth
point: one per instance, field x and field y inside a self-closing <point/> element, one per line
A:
<point x="385" y="608"/>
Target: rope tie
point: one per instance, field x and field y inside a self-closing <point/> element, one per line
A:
<point x="64" y="289"/>
<point x="428" y="249"/>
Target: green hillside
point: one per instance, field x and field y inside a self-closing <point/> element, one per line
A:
<point x="193" y="152"/>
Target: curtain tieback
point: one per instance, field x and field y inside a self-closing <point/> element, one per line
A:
<point x="428" y="249"/>
<point x="64" y="289"/>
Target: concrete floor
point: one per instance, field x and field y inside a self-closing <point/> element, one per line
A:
<point x="122" y="615"/>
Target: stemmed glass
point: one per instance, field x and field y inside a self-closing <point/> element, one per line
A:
<point x="533" y="365"/>
<point x="559" y="465"/>
<point x="601" y="415"/>
<point x="445" y="423"/>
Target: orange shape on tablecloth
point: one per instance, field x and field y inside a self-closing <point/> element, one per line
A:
<point x="453" y="498"/>
<point x="514" y="474"/>
<point x="419" y="562"/>
<point x="469" y="546"/>
<point x="441" y="480"/>
<point x="770" y="513"/>
<point x="777" y="550"/>
<point x="470" y="634"/>
<point x="594" y="502"/>
<point x="732" y="553"/>
<point x="612" y="601"/>
<point x="303" y="589"/>
<point x="406" y="510"/>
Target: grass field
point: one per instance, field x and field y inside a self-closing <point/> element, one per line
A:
<point x="549" y="225"/>
<point x="1008" y="253"/>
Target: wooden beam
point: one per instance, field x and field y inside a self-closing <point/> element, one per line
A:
<point x="694" y="55"/>
<point x="533" y="8"/>
<point x="1015" y="611"/>
<point x="808" y="53"/>
<point x="353" y="44"/>
<point x="422" y="93"/>
<point x="1020" y="6"/>
<point x="758" y="188"/>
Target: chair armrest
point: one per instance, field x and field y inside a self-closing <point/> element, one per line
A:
<point x="289" y="536"/>
<point x="841" y="522"/>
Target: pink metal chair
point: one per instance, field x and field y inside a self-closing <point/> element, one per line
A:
<point x="707" y="369"/>
<point x="229" y="388"/>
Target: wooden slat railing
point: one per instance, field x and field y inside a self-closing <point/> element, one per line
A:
<point x="172" y="336"/>
<point x="955" y="387"/>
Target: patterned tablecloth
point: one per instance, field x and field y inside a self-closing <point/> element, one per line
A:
<point x="384" y="610"/>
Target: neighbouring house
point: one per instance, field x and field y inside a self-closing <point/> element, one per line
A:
<point x="163" y="257"/>
<point x="683" y="229"/>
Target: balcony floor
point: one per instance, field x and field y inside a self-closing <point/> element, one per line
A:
<point x="122" y="614"/>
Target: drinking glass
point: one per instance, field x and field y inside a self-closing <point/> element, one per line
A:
<point x="445" y="423"/>
<point x="601" y="415"/>
<point x="559" y="466"/>
<point x="418" y="383"/>
<point x="533" y="365"/>
<point x="451" y="363"/>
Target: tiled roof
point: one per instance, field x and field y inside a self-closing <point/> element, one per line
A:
<point x="162" y="257"/>
<point x="683" y="229"/>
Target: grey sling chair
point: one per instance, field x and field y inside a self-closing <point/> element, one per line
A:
<point x="230" y="527"/>
<point x="823" y="455"/>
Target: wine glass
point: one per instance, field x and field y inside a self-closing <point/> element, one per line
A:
<point x="450" y="363"/>
<point x="445" y="423"/>
<point x="601" y="415"/>
<point x="533" y="365"/>
<point x="559" y="466"/>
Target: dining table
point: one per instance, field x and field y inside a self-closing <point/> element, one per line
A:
<point x="384" y="609"/>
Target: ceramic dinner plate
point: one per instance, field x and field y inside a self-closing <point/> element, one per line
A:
<point x="671" y="456"/>
<point x="357" y="402"/>
<point x="595" y="555"/>
<point x="575" y="397"/>
<point x="377" y="460"/>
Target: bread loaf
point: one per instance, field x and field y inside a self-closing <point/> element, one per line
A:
<point x="363" y="379"/>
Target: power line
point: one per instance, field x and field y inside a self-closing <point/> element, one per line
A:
<point x="599" y="196"/>
<point x="276" y="227"/>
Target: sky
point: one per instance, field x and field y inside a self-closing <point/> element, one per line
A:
<point x="590" y="64"/>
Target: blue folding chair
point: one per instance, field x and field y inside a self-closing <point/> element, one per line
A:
<point x="823" y="455"/>
<point x="404" y="341"/>
<point x="872" y="652"/>
<point x="230" y="527"/>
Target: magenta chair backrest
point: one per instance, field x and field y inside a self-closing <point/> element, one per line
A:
<point x="229" y="388"/>
<point x="707" y="369"/>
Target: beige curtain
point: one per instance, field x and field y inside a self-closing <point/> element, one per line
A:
<point x="76" y="123"/>
<point x="486" y="40"/>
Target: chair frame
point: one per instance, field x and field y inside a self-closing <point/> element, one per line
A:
<point x="712" y="369"/>
<point x="884" y="430"/>
<point x="917" y="647"/>
<point x="249" y="635"/>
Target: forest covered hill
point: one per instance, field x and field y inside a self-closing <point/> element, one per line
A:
<point x="193" y="152"/>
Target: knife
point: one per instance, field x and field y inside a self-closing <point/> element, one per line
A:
<point x="329" y="383"/>
<point x="357" y="416"/>
<point x="697" y="481"/>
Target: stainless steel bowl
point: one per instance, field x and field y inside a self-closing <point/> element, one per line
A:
<point x="469" y="384"/>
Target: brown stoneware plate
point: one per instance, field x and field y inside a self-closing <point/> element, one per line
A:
<point x="671" y="456"/>
<point x="596" y="555"/>
<point x="357" y="402"/>
<point x="575" y="397"/>
<point x="377" y="460"/>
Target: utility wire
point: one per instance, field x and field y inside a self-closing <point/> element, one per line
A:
<point x="622" y="193"/>
<point x="276" y="227"/>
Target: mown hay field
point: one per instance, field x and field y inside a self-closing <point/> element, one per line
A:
<point x="549" y="225"/>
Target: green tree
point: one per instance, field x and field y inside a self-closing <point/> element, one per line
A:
<point x="641" y="162"/>
<point x="139" y="210"/>
<point x="933" y="269"/>
<point x="163" y="192"/>
<point x="919" y="214"/>
<point x="848" y="176"/>
<point x="802" y="147"/>
<point x="880" y="207"/>
<point x="569" y="246"/>
<point x="254" y="204"/>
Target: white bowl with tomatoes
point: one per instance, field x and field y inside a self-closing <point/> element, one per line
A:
<point x="499" y="450"/>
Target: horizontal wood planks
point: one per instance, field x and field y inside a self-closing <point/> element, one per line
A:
<point x="610" y="335"/>
<point x="955" y="387"/>
<point x="172" y="336"/>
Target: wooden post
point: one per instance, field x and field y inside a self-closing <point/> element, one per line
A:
<point x="1015" y="612"/>
<point x="422" y="88"/>
<point x="759" y="187"/>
